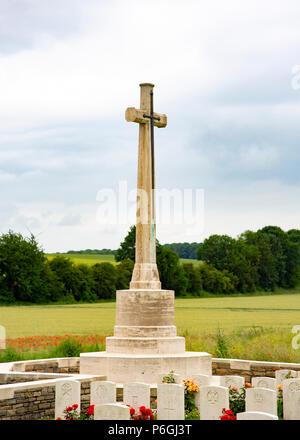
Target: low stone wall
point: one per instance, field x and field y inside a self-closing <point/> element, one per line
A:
<point x="249" y="369"/>
<point x="16" y="377"/>
<point x="58" y="365"/>
<point x="36" y="400"/>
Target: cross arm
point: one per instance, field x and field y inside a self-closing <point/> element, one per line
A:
<point x="134" y="115"/>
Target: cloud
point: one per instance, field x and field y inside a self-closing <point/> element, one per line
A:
<point x="69" y="69"/>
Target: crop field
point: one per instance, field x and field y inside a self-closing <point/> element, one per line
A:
<point x="89" y="259"/>
<point x="257" y="327"/>
<point x="196" y="315"/>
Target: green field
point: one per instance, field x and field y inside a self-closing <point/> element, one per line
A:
<point x="256" y="327"/>
<point x="89" y="259"/>
<point x="195" y="315"/>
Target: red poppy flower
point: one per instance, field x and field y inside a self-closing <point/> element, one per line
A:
<point x="132" y="411"/>
<point x="142" y="409"/>
<point x="75" y="406"/>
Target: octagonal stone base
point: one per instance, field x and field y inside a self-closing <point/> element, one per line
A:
<point x="122" y="368"/>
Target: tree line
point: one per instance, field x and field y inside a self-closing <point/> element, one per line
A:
<point x="262" y="260"/>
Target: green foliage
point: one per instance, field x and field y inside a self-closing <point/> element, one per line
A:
<point x="105" y="277"/>
<point x="192" y="415"/>
<point x="93" y="252"/>
<point x="124" y="273"/>
<point x="221" y="349"/>
<point x="280" y="405"/>
<point x="24" y="275"/>
<point x="265" y="259"/>
<point x="69" y="348"/>
<point x="127" y="247"/>
<point x="195" y="281"/>
<point x="237" y="400"/>
<point x="169" y="378"/>
<point x="184" y="250"/>
<point x="171" y="272"/>
<point x="216" y="281"/>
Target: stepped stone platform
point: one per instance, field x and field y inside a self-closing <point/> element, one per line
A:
<point x="145" y="342"/>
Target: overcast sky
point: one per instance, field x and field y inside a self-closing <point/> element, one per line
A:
<point x="223" y="74"/>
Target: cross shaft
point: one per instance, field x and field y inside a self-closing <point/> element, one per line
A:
<point x="145" y="273"/>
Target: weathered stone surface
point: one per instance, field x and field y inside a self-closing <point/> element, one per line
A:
<point x="103" y="392"/>
<point x="170" y="402"/>
<point x="255" y="415"/>
<point x="264" y="382"/>
<point x="232" y="381"/>
<point x="291" y="399"/>
<point x="111" y="411"/>
<point x="67" y="393"/>
<point x="136" y="394"/>
<point x="211" y="402"/>
<point x="261" y="400"/>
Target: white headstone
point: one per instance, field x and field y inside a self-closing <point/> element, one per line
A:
<point x="264" y="382"/>
<point x="255" y="415"/>
<point x="136" y="394"/>
<point x="170" y="401"/>
<point x="67" y="393"/>
<point x="291" y="399"/>
<point x="111" y="411"/>
<point x="212" y="400"/>
<point x="177" y="377"/>
<point x="232" y="381"/>
<point x="201" y="379"/>
<point x="102" y="392"/>
<point x="261" y="400"/>
<point x="2" y="338"/>
<point x="280" y="375"/>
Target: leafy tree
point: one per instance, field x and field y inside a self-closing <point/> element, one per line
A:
<point x="68" y="277"/>
<point x="124" y="273"/>
<point x="105" y="280"/>
<point x="24" y="275"/>
<point x="217" y="281"/>
<point x="184" y="250"/>
<point x="127" y="247"/>
<point x="170" y="270"/>
<point x="193" y="276"/>
<point x="266" y="269"/>
<point x="235" y="256"/>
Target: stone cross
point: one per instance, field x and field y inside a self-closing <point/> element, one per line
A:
<point x="145" y="274"/>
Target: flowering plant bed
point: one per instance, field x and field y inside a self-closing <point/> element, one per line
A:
<point x="71" y="413"/>
<point x="144" y="413"/>
<point x="227" y="414"/>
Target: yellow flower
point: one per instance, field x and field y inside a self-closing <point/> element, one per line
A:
<point x="190" y="388"/>
<point x="279" y="387"/>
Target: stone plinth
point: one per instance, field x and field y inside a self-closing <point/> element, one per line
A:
<point x="145" y="323"/>
<point x="145" y="342"/>
<point x="122" y="368"/>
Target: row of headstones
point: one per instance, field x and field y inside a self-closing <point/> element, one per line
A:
<point x="261" y="400"/>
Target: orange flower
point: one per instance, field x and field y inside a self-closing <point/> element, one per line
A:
<point x="248" y="385"/>
<point x="279" y="387"/>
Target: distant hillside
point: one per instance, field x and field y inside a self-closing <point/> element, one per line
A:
<point x="184" y="250"/>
